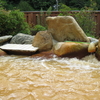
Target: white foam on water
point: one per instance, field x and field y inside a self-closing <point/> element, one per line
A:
<point x="88" y="62"/>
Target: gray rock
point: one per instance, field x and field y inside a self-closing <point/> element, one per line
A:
<point x="92" y="39"/>
<point x="21" y="38"/>
<point x="93" y="43"/>
<point x="4" y="39"/>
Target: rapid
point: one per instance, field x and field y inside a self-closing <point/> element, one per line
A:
<point x="27" y="78"/>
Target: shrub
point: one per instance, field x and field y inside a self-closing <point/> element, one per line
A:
<point x="13" y="22"/>
<point x="64" y="8"/>
<point x="86" y="21"/>
<point x="2" y="4"/>
<point x="39" y="28"/>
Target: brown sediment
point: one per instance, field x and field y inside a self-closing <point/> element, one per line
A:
<point x="45" y="54"/>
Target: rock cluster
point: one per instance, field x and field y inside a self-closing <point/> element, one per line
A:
<point x="64" y="38"/>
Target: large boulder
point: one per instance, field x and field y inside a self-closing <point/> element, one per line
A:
<point x="71" y="49"/>
<point x="4" y="39"/>
<point x="21" y="38"/>
<point x="43" y="40"/>
<point x="65" y="28"/>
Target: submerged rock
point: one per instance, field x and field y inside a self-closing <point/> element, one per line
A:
<point x="43" y="40"/>
<point x="65" y="28"/>
<point x="21" y="38"/>
<point x="44" y="54"/>
<point x="71" y="49"/>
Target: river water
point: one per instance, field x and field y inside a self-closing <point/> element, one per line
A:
<point x="27" y="78"/>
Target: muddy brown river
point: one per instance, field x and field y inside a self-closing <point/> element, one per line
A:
<point x="26" y="78"/>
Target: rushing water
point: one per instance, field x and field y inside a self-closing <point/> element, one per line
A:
<point x="26" y="78"/>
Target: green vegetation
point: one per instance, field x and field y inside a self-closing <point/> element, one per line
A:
<point x="64" y="8"/>
<point x="24" y="6"/>
<point x="13" y="22"/>
<point x="39" y="28"/>
<point x="83" y="17"/>
<point x="45" y="4"/>
<point x="77" y="42"/>
<point x="86" y="22"/>
<point x="36" y="29"/>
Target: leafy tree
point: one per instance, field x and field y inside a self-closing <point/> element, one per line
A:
<point x="38" y="4"/>
<point x="93" y="5"/>
<point x="14" y="1"/>
<point x="64" y="7"/>
<point x="78" y="3"/>
<point x="2" y="3"/>
<point x="45" y="4"/>
<point x="24" y="6"/>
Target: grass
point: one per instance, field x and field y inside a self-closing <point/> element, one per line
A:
<point x="77" y="42"/>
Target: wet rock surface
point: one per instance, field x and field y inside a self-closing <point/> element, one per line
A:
<point x="71" y="49"/>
